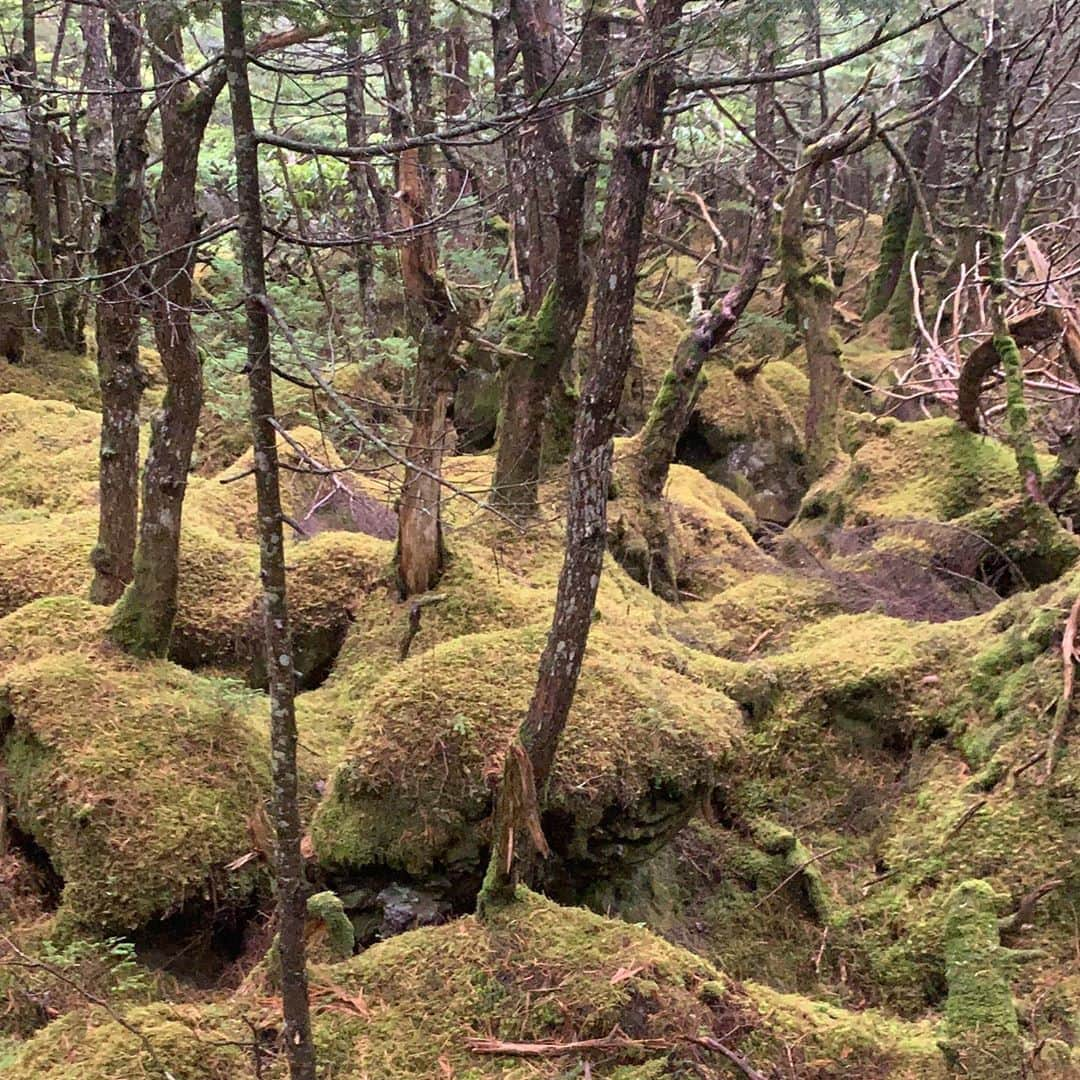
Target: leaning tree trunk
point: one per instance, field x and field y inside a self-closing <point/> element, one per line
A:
<point x="144" y="615"/>
<point x="119" y="374"/>
<point x="674" y="402"/>
<point x="641" y="103"/>
<point x="11" y="310"/>
<point x="288" y="859"/>
<point x="1016" y="413"/>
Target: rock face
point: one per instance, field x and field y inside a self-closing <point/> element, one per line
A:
<point x="415" y="789"/>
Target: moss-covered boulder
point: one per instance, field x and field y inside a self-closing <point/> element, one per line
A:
<point x="743" y="435"/>
<point x="471" y="999"/>
<point x="415" y="790"/>
<point x="138" y="780"/>
<point x="929" y="469"/>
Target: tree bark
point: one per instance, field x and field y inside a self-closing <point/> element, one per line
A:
<point x="120" y="376"/>
<point x="362" y="218"/>
<point x="289" y="866"/>
<point x="640" y="108"/>
<point x="143" y="618"/>
<point x="38" y="183"/>
<point x="810" y="293"/>
<point x="547" y="190"/>
<point x="434" y="324"/>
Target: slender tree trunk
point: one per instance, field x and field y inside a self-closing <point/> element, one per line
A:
<point x="11" y="314"/>
<point x="289" y="866"/>
<point x="457" y="94"/>
<point x="810" y="293"/>
<point x="362" y="218"/>
<point x="434" y="324"/>
<point x="120" y="376"/>
<point x="143" y="618"/>
<point x="900" y="208"/>
<point x="640" y="106"/>
<point x="38" y="184"/>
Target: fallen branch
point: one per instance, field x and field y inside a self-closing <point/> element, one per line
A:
<point x="1012" y="924"/>
<point x="551" y="1048"/>
<point x="737" y="1060"/>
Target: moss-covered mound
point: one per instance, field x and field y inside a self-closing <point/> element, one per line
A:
<point x="138" y="780"/>
<point x="930" y="469"/>
<point x="443" y="1001"/>
<point x="642" y="745"/>
<point x="48" y="455"/>
<point x="743" y="435"/>
<point x="53" y="376"/>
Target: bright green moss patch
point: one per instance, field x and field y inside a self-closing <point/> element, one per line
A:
<point x="641" y="746"/>
<point x="137" y="779"/>
<point x="932" y="469"/>
<point x="980" y="1018"/>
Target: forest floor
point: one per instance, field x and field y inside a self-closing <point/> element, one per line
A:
<point x="813" y="821"/>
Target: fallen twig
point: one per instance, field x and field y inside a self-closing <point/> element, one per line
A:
<point x="737" y="1060"/>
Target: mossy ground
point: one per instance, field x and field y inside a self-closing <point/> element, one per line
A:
<point x="414" y="1007"/>
<point x="855" y="770"/>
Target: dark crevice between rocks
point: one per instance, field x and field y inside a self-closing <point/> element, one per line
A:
<point x="201" y="946"/>
<point x="40" y="873"/>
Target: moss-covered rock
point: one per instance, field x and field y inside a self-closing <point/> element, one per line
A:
<point x="137" y="779"/>
<point x="430" y="1002"/>
<point x="743" y="435"/>
<point x="642" y="746"/>
<point x="929" y="469"/>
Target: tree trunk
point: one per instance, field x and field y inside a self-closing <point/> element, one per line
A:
<point x="11" y="310"/>
<point x="119" y="374"/>
<point x="547" y="191"/>
<point x="640" y="109"/>
<point x="434" y="324"/>
<point x="143" y="619"/>
<point x="38" y="184"/>
<point x="810" y="293"/>
<point x="457" y="94"/>
<point x="289" y="865"/>
<point x="362" y="219"/>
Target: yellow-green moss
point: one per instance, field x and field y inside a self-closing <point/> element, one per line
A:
<point x="929" y="469"/>
<point x="52" y="376"/>
<point x="406" y="1009"/>
<point x="137" y="779"/>
<point x="980" y="1019"/>
<point x="641" y="745"/>
<point x="48" y="455"/>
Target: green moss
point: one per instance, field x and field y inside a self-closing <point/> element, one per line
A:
<point x="48" y="455"/>
<point x="980" y="1019"/>
<point x="894" y="234"/>
<point x="641" y="746"/>
<point x="138" y="779"/>
<point x="932" y="469"/>
<point x="327" y="907"/>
